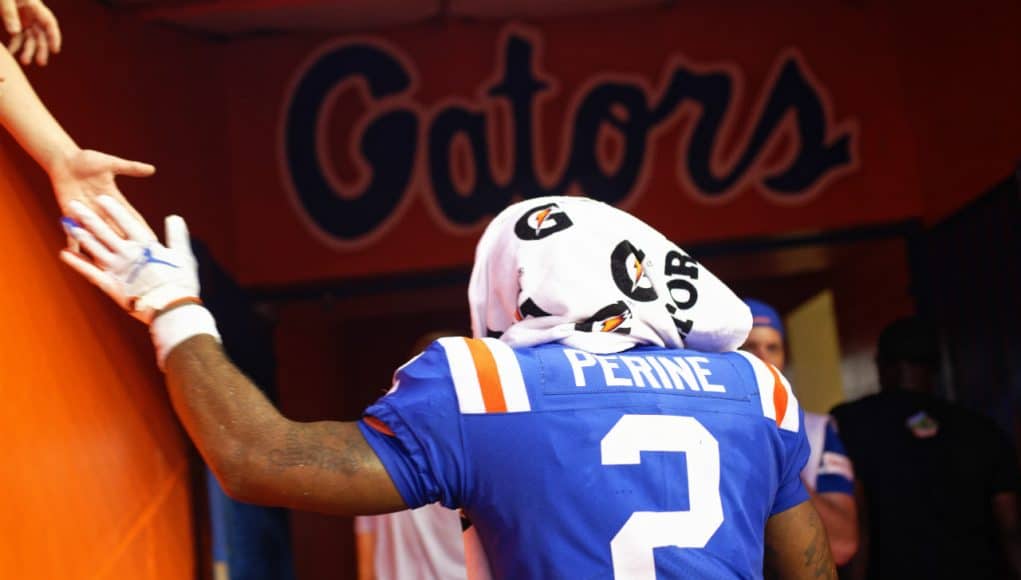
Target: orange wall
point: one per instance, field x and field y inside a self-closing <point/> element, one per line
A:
<point x="94" y="478"/>
<point x="95" y="475"/>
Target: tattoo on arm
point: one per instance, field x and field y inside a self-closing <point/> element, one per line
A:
<point x="262" y="457"/>
<point x="817" y="553"/>
<point x="306" y="446"/>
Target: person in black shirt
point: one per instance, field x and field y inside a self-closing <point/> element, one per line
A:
<point x="939" y="483"/>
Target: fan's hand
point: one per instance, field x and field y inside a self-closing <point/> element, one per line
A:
<point x="33" y="28"/>
<point x="87" y="174"/>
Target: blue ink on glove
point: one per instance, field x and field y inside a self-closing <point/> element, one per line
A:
<point x="147" y="258"/>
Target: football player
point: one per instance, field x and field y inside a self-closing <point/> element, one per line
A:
<point x="599" y="423"/>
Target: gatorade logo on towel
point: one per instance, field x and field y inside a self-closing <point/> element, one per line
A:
<point x="542" y="221"/>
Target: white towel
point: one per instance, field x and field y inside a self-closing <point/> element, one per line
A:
<point x="583" y="273"/>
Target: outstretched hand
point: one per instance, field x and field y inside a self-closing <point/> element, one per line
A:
<point x="142" y="275"/>
<point x="87" y="174"/>
<point x="33" y="28"/>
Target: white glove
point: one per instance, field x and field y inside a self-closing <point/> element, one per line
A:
<point x="142" y="275"/>
<point x="139" y="273"/>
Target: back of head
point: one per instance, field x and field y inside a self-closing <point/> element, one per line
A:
<point x="764" y="315"/>
<point x="908" y="355"/>
<point x="583" y="273"/>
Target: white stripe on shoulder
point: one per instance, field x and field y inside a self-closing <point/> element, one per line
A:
<point x="394" y="382"/>
<point x="764" y="381"/>
<point x="791" y="419"/>
<point x="513" y="382"/>
<point x="464" y="375"/>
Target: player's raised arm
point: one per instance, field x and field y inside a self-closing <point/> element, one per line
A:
<point x="796" y="545"/>
<point x="262" y="457"/>
<point x="258" y="455"/>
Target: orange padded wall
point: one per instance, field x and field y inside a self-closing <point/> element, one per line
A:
<point x="94" y="474"/>
<point x="94" y="478"/>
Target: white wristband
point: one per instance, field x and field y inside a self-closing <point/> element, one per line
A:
<point x="172" y="328"/>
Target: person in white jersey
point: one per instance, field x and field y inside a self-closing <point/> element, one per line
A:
<point x="420" y="543"/>
<point x="828" y="475"/>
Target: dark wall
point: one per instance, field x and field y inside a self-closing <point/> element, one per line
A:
<point x="968" y="274"/>
<point x="336" y="355"/>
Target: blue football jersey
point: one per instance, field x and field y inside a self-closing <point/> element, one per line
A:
<point x="642" y="464"/>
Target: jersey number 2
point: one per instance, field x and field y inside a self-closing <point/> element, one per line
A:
<point x="631" y="549"/>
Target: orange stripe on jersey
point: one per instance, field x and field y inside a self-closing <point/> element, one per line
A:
<point x="489" y="378"/>
<point x="779" y="395"/>
<point x="378" y="425"/>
